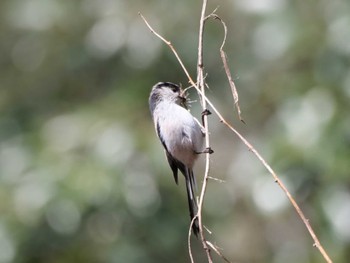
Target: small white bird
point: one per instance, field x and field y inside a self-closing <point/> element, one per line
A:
<point x="181" y="135"/>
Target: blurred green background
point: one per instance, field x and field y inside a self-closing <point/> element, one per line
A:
<point x="83" y="177"/>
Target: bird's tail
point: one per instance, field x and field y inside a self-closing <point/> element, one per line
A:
<point x="192" y="202"/>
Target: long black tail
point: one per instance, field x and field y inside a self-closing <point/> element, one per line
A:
<point x="192" y="202"/>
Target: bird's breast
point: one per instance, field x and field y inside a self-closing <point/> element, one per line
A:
<point x="181" y="133"/>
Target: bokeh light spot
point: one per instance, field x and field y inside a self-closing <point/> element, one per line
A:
<point x="63" y="216"/>
<point x="106" y="37"/>
<point x="268" y="197"/>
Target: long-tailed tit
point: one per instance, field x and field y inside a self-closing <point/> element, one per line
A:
<point x="180" y="133"/>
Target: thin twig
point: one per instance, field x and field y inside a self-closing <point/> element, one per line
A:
<point x="285" y="190"/>
<point x="172" y="49"/>
<point x="215" y="248"/>
<point x="226" y="67"/>
<point x="306" y="222"/>
<point x="201" y="86"/>
<point x="189" y="239"/>
<point x="216" y="179"/>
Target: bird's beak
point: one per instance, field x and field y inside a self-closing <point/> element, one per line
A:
<point x="183" y="99"/>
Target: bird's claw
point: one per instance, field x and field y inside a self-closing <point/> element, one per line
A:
<point x="206" y="112"/>
<point x="208" y="150"/>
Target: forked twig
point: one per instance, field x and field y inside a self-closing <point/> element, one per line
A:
<point x="306" y="222"/>
<point x="215" y="248"/>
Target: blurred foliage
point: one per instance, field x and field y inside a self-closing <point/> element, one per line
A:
<point x="83" y="177"/>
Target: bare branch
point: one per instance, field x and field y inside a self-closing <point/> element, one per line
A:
<point x="306" y="222"/>
<point x="201" y="86"/>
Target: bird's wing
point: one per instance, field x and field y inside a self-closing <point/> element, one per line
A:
<point x="174" y="163"/>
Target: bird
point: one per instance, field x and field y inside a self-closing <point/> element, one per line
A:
<point x="181" y="135"/>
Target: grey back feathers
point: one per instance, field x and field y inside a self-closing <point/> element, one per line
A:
<point x="180" y="134"/>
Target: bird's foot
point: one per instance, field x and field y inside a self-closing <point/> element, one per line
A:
<point x="206" y="112"/>
<point x="206" y="150"/>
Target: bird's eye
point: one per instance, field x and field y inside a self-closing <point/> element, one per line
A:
<point x="174" y="89"/>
